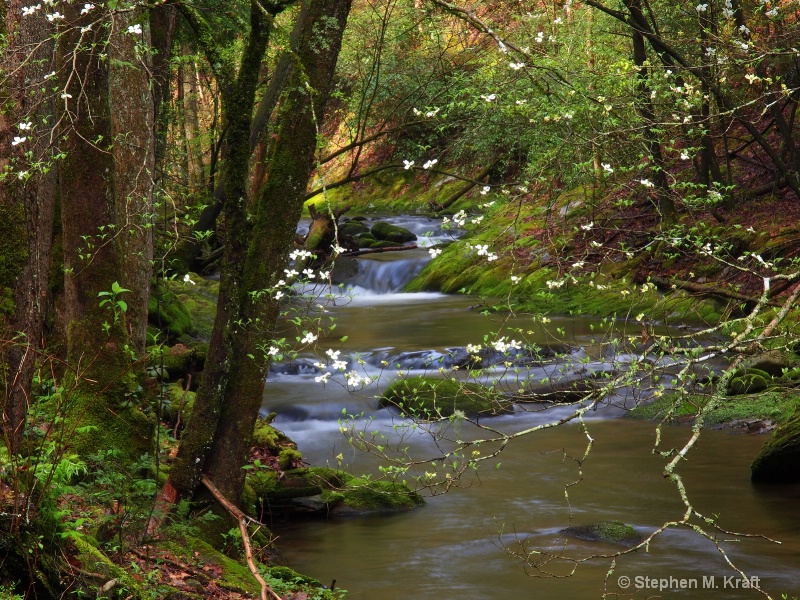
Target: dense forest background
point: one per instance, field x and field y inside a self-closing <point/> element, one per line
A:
<point x="587" y="148"/>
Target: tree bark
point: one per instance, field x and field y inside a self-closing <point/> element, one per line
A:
<point x="26" y="212"/>
<point x="133" y="114"/>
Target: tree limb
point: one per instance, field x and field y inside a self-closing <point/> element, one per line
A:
<point x="237" y="514"/>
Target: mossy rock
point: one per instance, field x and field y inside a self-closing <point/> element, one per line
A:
<point x="774" y="405"/>
<point x="366" y="240"/>
<point x="167" y="313"/>
<point x="392" y="233"/>
<point x="199" y="297"/>
<point x="614" y="532"/>
<point x="289" y="458"/>
<point x="431" y="399"/>
<point x="177" y="401"/>
<point x="269" y="438"/>
<point x="176" y="362"/>
<point x="354" y="228"/>
<point x="775" y="363"/>
<point x="362" y="496"/>
<point x="234" y="575"/>
<point x="272" y="488"/>
<point x="778" y="461"/>
<point x="750" y="381"/>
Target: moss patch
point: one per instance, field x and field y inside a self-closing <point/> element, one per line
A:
<point x="776" y="405"/>
<point x="429" y="398"/>
<point x="361" y="495"/>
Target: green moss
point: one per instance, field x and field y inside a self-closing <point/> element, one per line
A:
<point x="429" y="398"/>
<point x="384" y="231"/>
<point x="775" y="404"/>
<point x="288" y="458"/>
<point x="271" y="487"/>
<point x="286" y="582"/>
<point x="373" y="496"/>
<point x="93" y="561"/>
<point x="177" y="401"/>
<point x="167" y="313"/>
<point x="235" y="575"/>
<point x="779" y="456"/>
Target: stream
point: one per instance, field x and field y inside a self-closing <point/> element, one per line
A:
<point x="466" y="544"/>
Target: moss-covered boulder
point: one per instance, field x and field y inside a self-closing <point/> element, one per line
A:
<point x="392" y="233"/>
<point x="749" y="381"/>
<point x="363" y="496"/>
<point x="352" y="227"/>
<point x="779" y="458"/>
<point x="177" y="404"/>
<point x="328" y="491"/>
<point x="167" y="314"/>
<point x="431" y="399"/>
<point x="366" y="240"/>
<point x="614" y="532"/>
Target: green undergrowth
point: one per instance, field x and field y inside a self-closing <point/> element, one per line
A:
<point x="776" y="405"/>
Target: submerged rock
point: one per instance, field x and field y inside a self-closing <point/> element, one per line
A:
<point x="615" y="532"/>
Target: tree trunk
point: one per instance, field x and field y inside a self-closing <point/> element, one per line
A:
<point x="98" y="345"/>
<point x="132" y="110"/>
<point x="644" y="106"/>
<point x="278" y="211"/>
<point x="219" y="436"/>
<point x="26" y="213"/>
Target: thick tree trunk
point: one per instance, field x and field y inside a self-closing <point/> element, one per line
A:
<point x="278" y="211"/>
<point x="218" y="438"/>
<point x="132" y="111"/>
<point x="98" y="346"/>
<point x="26" y="212"/>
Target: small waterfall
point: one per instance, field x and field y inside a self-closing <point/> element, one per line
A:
<point x="388" y="276"/>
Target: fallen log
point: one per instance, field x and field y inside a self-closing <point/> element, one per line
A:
<point x="378" y="250"/>
<point x="705" y="290"/>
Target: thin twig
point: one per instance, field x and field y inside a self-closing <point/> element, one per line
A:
<point x="237" y="514"/>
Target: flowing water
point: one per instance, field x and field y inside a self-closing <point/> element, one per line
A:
<point x="466" y="544"/>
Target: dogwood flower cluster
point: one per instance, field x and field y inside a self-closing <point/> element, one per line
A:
<point x="301" y="255"/>
<point x="135" y="29"/>
<point x="489" y="97"/>
<point x="309" y="338"/>
<point x="407" y="164"/>
<point x="434" y="252"/>
<point x="483" y="250"/>
<point x="502" y="346"/>
<point x="430" y="163"/>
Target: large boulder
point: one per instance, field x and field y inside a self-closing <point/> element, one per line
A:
<point x="779" y="458"/>
<point x="383" y="231"/>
